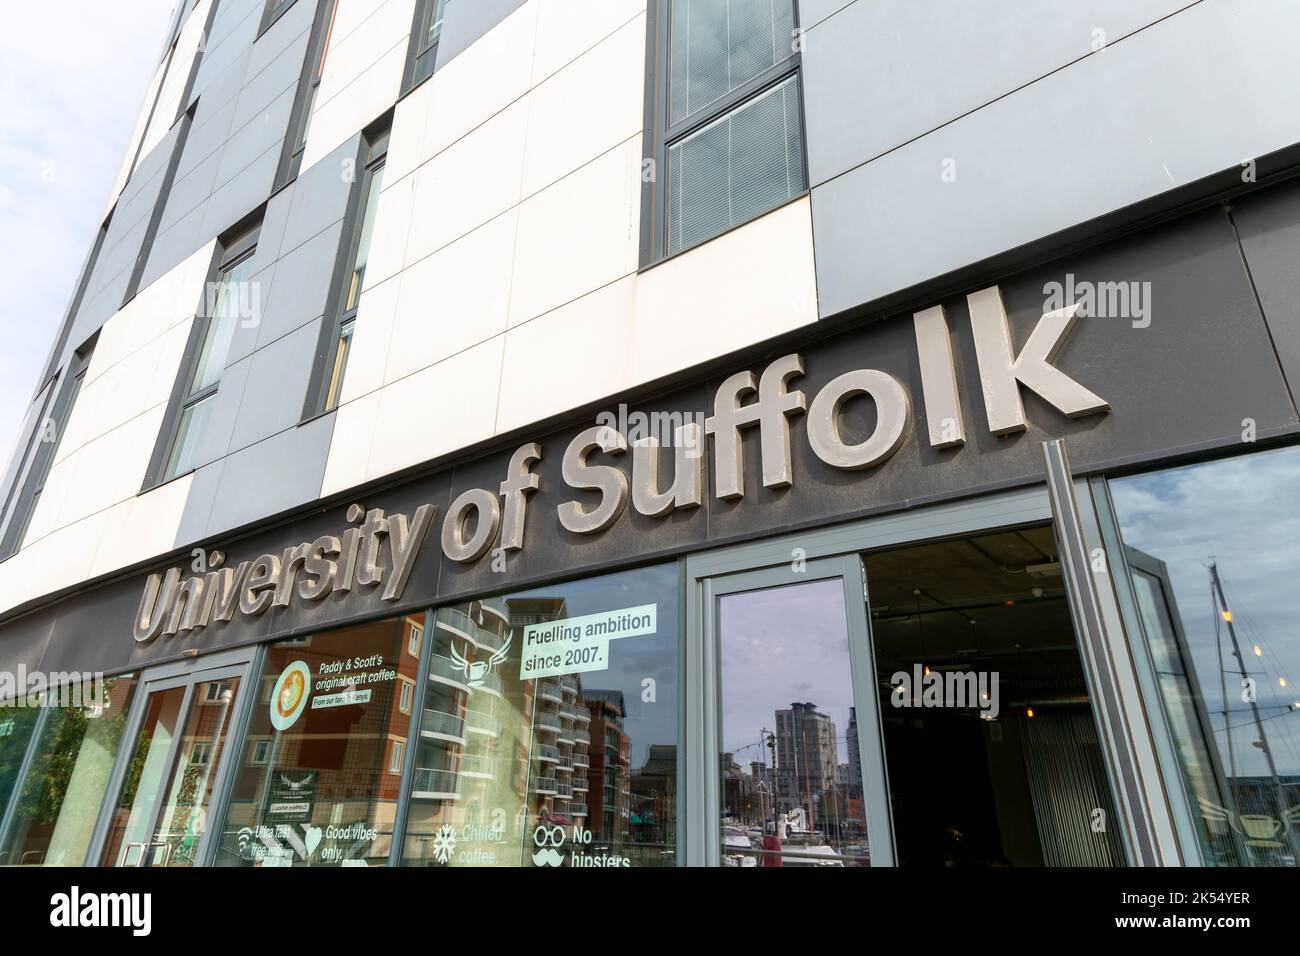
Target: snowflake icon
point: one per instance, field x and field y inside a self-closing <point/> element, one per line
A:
<point x="444" y="843"/>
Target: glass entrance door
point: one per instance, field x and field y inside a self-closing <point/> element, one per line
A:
<point x="797" y="776"/>
<point x="173" y="769"/>
<point x="922" y="704"/>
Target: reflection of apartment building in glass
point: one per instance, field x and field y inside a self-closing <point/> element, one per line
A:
<point x="466" y="755"/>
<point x="741" y="793"/>
<point x="561" y="734"/>
<point x="610" y="793"/>
<point x="855" y="754"/>
<point x="654" y="797"/>
<point x="806" y="757"/>
<point x="490" y="742"/>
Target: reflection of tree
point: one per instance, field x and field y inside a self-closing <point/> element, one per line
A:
<point x="136" y="770"/>
<point x="191" y="780"/>
<point x="16" y="724"/>
<point x="44" y="790"/>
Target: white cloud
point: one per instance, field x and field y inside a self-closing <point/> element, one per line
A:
<point x="73" y="75"/>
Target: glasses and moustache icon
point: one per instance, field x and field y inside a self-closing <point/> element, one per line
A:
<point x="549" y="840"/>
<point x="547" y="857"/>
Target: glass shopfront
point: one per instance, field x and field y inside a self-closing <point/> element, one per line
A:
<point x="548" y="728"/>
<point x="914" y="690"/>
<point x="321" y="766"/>
<point x="17" y="724"/>
<point x="1213" y="555"/>
<point x="55" y="807"/>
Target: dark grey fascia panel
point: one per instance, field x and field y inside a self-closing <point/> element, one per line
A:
<point x="1268" y="227"/>
<point x="466" y="20"/>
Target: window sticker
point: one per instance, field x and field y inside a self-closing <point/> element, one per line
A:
<point x="578" y="645"/>
<point x="289" y="699"/>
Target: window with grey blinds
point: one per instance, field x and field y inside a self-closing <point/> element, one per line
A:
<point x="720" y="45"/>
<point x="738" y="166"/>
<point x="733" y="139"/>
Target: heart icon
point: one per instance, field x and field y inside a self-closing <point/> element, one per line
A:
<point x="313" y="840"/>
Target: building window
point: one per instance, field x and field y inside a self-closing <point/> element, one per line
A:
<point x="313" y="68"/>
<point x="227" y="301"/>
<point x="201" y="753"/>
<point x="408" y="692"/>
<point x="728" y="123"/>
<point x="513" y="762"/>
<point x="218" y="692"/>
<point x="46" y="438"/>
<point x="1213" y="552"/>
<point x="425" y="34"/>
<point x="414" y="637"/>
<point x="395" y="760"/>
<point x="336" y="345"/>
<point x="261" y="752"/>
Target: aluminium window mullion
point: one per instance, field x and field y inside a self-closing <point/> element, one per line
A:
<point x="730" y="102"/>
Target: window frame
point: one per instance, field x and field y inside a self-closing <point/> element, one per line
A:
<point x="60" y="405"/>
<point x="235" y="251"/>
<point x="661" y="134"/>
<point x="340" y="318"/>
<point x="304" y="102"/>
<point x="395" y="754"/>
<point x="413" y="73"/>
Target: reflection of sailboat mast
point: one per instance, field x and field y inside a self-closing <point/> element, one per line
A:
<point x="1223" y="690"/>
<point x="1226" y="615"/>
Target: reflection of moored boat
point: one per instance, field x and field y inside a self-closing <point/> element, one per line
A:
<point x="737" y="850"/>
<point x="818" y="854"/>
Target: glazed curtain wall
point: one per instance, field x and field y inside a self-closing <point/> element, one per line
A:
<point x="1213" y="554"/>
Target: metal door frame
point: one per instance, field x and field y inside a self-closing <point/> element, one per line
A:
<point x="188" y="673"/>
<point x="705" y="696"/>
<point x="1103" y="651"/>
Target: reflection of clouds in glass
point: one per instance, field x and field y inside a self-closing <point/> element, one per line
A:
<point x="779" y="646"/>
<point x="1242" y="513"/>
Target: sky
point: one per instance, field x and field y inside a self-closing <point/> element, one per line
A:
<point x="73" y="75"/>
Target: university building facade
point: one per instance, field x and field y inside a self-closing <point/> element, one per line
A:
<point x="673" y="432"/>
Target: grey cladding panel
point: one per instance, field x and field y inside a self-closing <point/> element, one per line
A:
<point x="880" y="73"/>
<point x="320" y="196"/>
<point x="275" y="386"/>
<point x="299" y="286"/>
<point x="282" y="472"/>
